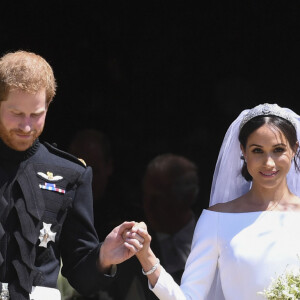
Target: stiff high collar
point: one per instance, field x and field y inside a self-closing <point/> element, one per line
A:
<point x="11" y="155"/>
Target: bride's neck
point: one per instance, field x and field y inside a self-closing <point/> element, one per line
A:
<point x="268" y="198"/>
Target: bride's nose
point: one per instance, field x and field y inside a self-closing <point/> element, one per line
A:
<point x="269" y="161"/>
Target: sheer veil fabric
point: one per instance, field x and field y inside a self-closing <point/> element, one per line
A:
<point x="228" y="182"/>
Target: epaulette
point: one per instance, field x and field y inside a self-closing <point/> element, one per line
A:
<point x="53" y="149"/>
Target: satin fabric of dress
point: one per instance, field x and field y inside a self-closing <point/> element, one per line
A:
<point x="249" y="249"/>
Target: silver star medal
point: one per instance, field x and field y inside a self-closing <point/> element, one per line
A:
<point x="46" y="235"/>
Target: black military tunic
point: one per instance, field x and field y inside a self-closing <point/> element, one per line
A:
<point x="45" y="215"/>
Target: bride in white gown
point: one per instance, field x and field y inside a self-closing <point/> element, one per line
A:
<point x="251" y="231"/>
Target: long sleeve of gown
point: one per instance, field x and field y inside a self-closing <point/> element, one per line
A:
<point x="200" y="267"/>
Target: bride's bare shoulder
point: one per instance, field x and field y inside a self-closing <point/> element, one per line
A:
<point x="229" y="207"/>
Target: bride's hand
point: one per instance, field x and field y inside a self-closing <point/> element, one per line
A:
<point x="138" y="236"/>
<point x="145" y="255"/>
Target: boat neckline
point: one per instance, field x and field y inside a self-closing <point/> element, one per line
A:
<point x="253" y="212"/>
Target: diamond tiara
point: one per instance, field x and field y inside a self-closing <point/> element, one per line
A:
<point x="267" y="109"/>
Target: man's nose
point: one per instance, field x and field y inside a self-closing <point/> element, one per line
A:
<point x="25" y="124"/>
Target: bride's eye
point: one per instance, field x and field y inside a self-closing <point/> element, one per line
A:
<point x="257" y="150"/>
<point x="279" y="149"/>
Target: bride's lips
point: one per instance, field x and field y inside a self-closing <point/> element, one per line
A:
<point x="269" y="174"/>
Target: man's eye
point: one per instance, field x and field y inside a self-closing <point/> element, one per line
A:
<point x="36" y="115"/>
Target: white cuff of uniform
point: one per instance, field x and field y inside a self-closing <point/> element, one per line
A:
<point x="44" y="293"/>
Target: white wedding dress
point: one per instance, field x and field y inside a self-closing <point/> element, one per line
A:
<point x="248" y="249"/>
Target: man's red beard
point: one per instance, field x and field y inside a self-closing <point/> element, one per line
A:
<point x="11" y="139"/>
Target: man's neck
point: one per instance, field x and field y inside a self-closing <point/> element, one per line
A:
<point x="9" y="154"/>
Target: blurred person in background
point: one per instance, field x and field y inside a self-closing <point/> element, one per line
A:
<point x="170" y="188"/>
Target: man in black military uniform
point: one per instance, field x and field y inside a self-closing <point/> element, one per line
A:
<point x="45" y="196"/>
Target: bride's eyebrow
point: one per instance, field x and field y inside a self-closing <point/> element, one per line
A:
<point x="260" y="146"/>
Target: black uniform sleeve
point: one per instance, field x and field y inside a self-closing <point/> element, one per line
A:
<point x="79" y="242"/>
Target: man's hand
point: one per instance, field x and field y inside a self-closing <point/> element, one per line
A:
<point x="115" y="249"/>
<point x="139" y="233"/>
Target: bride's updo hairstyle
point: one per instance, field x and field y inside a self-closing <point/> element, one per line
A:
<point x="277" y="123"/>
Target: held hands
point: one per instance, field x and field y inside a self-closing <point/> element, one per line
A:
<point x="138" y="235"/>
<point x="115" y="249"/>
<point x="149" y="262"/>
<point x="126" y="240"/>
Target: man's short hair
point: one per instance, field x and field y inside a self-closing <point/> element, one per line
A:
<point x="28" y="72"/>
